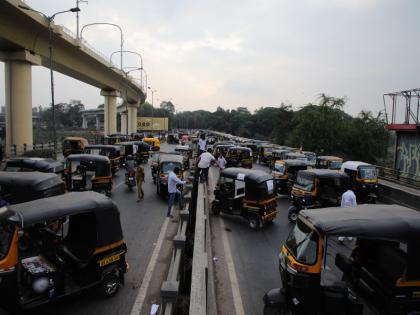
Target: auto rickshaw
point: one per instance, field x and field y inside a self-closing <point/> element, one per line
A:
<point x="278" y="154"/>
<point x="363" y="180"/>
<point x="377" y="273"/>
<point x="219" y="148"/>
<point x="254" y="149"/>
<point x="284" y="173"/>
<point x="153" y="142"/>
<point x="88" y="172"/>
<point x="296" y="156"/>
<point x="248" y="193"/>
<point x="328" y="162"/>
<point x="74" y="145"/>
<point x="265" y="154"/>
<point x="185" y="139"/>
<point x="111" y="151"/>
<point x="29" y="164"/>
<point x="317" y="188"/>
<point x="310" y="157"/>
<point x="60" y="246"/>
<point x="154" y="163"/>
<point x="17" y="187"/>
<point x="172" y="138"/>
<point x="167" y="163"/>
<point x="239" y="157"/>
<point x="186" y="152"/>
<point x="138" y="149"/>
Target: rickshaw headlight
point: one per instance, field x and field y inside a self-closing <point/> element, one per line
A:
<point x="376" y="186"/>
<point x="363" y="186"/>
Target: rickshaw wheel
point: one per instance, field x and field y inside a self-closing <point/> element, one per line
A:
<point x="110" y="285"/>
<point x="254" y="222"/>
<point x="293" y="214"/>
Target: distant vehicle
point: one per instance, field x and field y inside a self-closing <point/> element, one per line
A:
<point x="221" y="148"/>
<point x="186" y="152"/>
<point x="379" y="275"/>
<point x="278" y="154"/>
<point x="311" y="157"/>
<point x="239" y="157"/>
<point x="248" y="193"/>
<point x="172" y="138"/>
<point x="153" y="142"/>
<point x="296" y="156"/>
<point x="265" y="154"/>
<point x="60" y="246"/>
<point x="74" y="145"/>
<point x="329" y="162"/>
<point x="18" y="187"/>
<point x="284" y="173"/>
<point x="88" y="172"/>
<point x="363" y="180"/>
<point x="254" y="149"/>
<point x="317" y="188"/>
<point x="29" y="164"/>
<point x="112" y="152"/>
<point x="167" y="163"/>
<point x="138" y="149"/>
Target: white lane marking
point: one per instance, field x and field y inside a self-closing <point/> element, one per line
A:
<point x="141" y="295"/>
<point x="237" y="300"/>
<point x="118" y="185"/>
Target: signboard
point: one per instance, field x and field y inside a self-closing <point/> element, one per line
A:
<point x="152" y="123"/>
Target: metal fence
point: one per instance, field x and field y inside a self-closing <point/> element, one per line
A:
<point x="397" y="176"/>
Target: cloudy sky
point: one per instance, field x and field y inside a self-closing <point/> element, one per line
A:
<point x="231" y="53"/>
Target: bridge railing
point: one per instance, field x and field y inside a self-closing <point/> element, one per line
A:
<point x="400" y="177"/>
<point x="19" y="150"/>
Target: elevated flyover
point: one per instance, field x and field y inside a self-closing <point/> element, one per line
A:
<point x="24" y="41"/>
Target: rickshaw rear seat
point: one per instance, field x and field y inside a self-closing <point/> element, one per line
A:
<point x="79" y="262"/>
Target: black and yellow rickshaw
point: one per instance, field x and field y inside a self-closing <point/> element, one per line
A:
<point x="310" y="157"/>
<point x="111" y="151"/>
<point x="254" y="149"/>
<point x="239" y="157"/>
<point x="139" y="150"/>
<point x="186" y="152"/>
<point x="88" y="172"/>
<point x="328" y="162"/>
<point x="154" y="163"/>
<point x="378" y="272"/>
<point x="172" y="138"/>
<point x="317" y="188"/>
<point x="221" y="148"/>
<point x="363" y="180"/>
<point x="296" y="156"/>
<point x="167" y="163"/>
<point x="284" y="173"/>
<point x="248" y="193"/>
<point x="17" y="187"/>
<point x="60" y="246"/>
<point x="29" y="164"/>
<point x="265" y="154"/>
<point x="278" y="154"/>
<point x="74" y="145"/>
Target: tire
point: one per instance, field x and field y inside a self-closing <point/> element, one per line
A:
<point x="293" y="213"/>
<point x="110" y="285"/>
<point x="215" y="208"/>
<point x="254" y="222"/>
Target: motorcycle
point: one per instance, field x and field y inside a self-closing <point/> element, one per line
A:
<point x="130" y="179"/>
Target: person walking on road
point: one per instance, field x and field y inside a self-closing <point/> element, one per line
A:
<point x="202" y="142"/>
<point x="221" y="162"/>
<point x="140" y="181"/>
<point x="348" y="199"/>
<point x="173" y="191"/>
<point x="204" y="162"/>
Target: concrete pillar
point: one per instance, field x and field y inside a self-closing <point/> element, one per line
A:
<point x="132" y="118"/>
<point x="97" y="122"/>
<point x="84" y="122"/>
<point x="110" y="112"/>
<point x="123" y="123"/>
<point x="18" y="87"/>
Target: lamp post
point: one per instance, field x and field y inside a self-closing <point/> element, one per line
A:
<point x="153" y="108"/>
<point x="50" y="19"/>
<point x="131" y="52"/>
<point x="77" y="16"/>
<point x="121" y="37"/>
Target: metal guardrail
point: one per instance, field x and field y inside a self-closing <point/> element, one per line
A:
<point x="17" y="150"/>
<point x="399" y="177"/>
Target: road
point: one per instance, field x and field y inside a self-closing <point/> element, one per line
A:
<point x="141" y="224"/>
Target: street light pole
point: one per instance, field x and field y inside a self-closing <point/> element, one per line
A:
<point x="131" y="52"/>
<point x="153" y="108"/>
<point x="77" y="16"/>
<point x="121" y="37"/>
<point x="50" y="19"/>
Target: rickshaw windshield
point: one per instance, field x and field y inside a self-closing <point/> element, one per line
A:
<point x="167" y="167"/>
<point x="305" y="183"/>
<point x="335" y="165"/>
<point x="71" y="144"/>
<point x="368" y="172"/>
<point x="279" y="168"/>
<point x="6" y="234"/>
<point x="302" y="242"/>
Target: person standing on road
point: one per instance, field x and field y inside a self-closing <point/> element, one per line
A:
<point x="204" y="162"/>
<point x="173" y="191"/>
<point x="202" y="144"/>
<point x="140" y="181"/>
<point x="348" y="199"/>
<point x="221" y="162"/>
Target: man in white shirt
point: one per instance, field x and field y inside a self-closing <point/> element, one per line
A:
<point x="348" y="199"/>
<point x="202" y="142"/>
<point x="204" y="162"/>
<point x="221" y="162"/>
<point x="173" y="180"/>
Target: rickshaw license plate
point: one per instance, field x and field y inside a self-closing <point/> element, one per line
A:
<point x="108" y="260"/>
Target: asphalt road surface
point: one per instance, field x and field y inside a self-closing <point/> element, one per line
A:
<point x="141" y="223"/>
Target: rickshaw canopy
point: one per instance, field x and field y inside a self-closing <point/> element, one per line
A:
<point x="171" y="158"/>
<point x="246" y="175"/>
<point x="102" y="163"/>
<point x="108" y="226"/>
<point x="33" y="163"/>
<point x="29" y="181"/>
<point x="354" y="165"/>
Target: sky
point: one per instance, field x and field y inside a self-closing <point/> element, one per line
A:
<point x="201" y="54"/>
